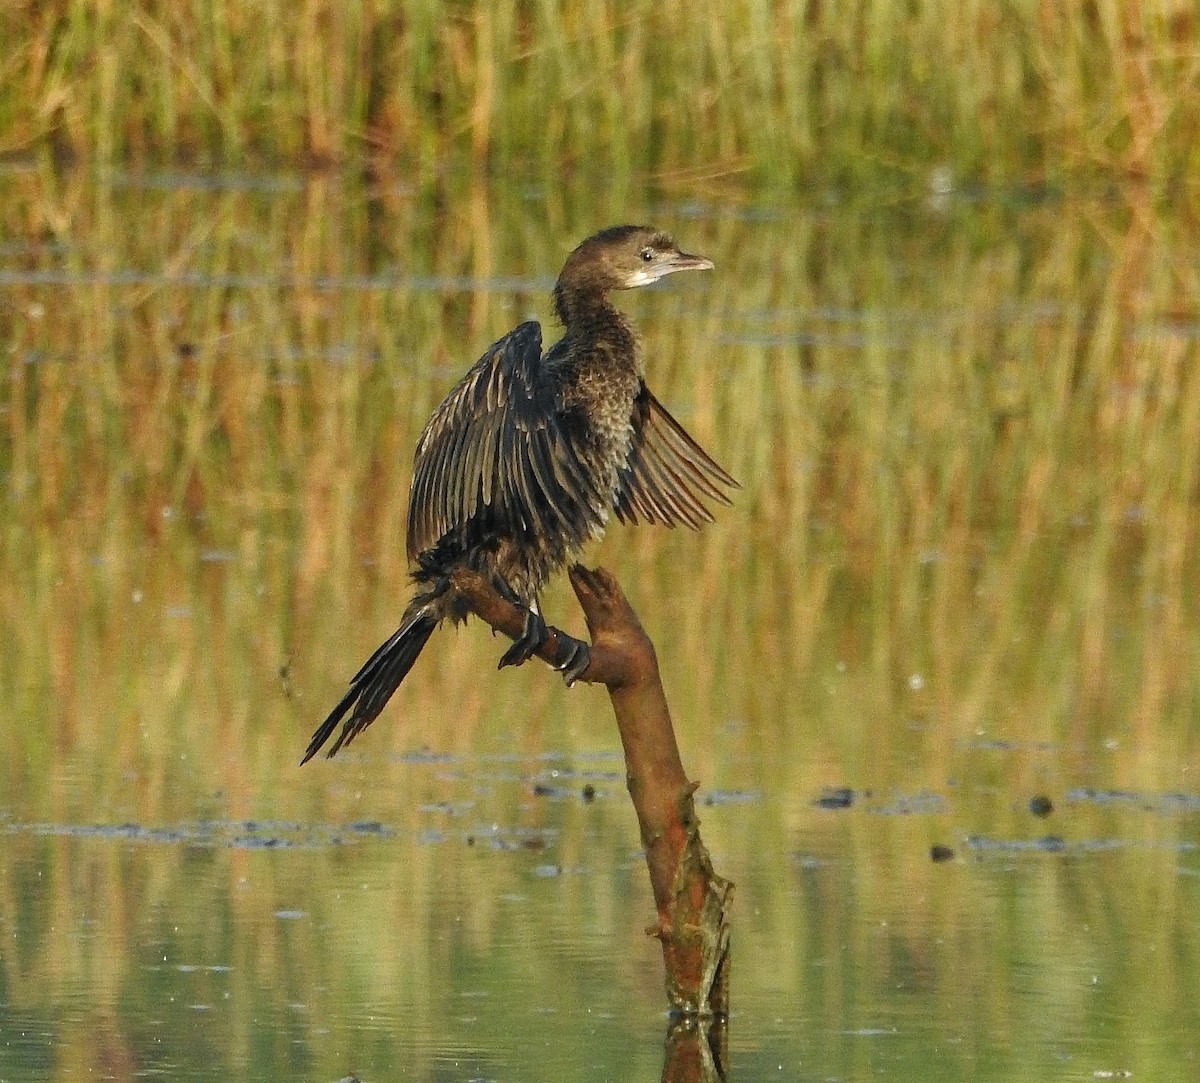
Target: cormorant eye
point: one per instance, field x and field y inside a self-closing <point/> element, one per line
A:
<point x="647" y="254"/>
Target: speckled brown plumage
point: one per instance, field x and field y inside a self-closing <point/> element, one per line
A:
<point x="521" y="464"/>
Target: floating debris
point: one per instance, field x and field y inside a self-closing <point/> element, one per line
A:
<point x="835" y="798"/>
<point x="367" y="827"/>
<point x="1041" y="806"/>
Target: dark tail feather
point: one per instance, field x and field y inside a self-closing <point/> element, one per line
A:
<point x="374" y="684"/>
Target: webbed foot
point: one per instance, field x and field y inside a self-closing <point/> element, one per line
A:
<point x="530" y="641"/>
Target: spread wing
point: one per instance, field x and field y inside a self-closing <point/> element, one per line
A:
<point x="496" y="452"/>
<point x="668" y="476"/>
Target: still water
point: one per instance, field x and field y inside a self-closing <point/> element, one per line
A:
<point x="953" y="610"/>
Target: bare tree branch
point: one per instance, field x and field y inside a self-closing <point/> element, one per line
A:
<point x="691" y="899"/>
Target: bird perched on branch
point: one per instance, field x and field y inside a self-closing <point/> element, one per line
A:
<point x="527" y="456"/>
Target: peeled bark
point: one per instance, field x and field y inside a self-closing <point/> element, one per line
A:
<point x="691" y="899"/>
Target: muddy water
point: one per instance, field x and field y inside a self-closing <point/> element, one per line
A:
<point x="935" y="668"/>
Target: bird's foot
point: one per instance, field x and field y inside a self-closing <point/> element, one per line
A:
<point x="575" y="657"/>
<point x="529" y="642"/>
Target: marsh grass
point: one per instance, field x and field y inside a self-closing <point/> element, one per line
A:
<point x="792" y="93"/>
<point x="970" y="471"/>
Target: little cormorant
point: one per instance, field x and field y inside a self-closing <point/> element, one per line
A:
<point x="522" y="462"/>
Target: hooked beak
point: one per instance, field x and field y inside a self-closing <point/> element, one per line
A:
<point x="676" y="261"/>
<point x="682" y="261"/>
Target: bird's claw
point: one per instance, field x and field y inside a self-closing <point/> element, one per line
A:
<point x="574" y="656"/>
<point x="528" y="643"/>
<point x="577" y="660"/>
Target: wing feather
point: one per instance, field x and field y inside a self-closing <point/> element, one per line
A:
<point x="679" y="458"/>
<point x="672" y="499"/>
<point x="495" y="451"/>
<point x="667" y="476"/>
<point x="501" y="451"/>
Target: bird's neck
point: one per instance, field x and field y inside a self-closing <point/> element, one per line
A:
<point x="577" y="302"/>
<point x="597" y="330"/>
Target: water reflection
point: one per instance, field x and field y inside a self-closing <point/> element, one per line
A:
<point x="961" y="574"/>
<point x="696" y="1052"/>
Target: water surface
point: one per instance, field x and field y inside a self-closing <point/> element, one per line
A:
<point x="954" y="606"/>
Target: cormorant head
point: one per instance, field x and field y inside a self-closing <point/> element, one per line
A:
<point x="622" y="257"/>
